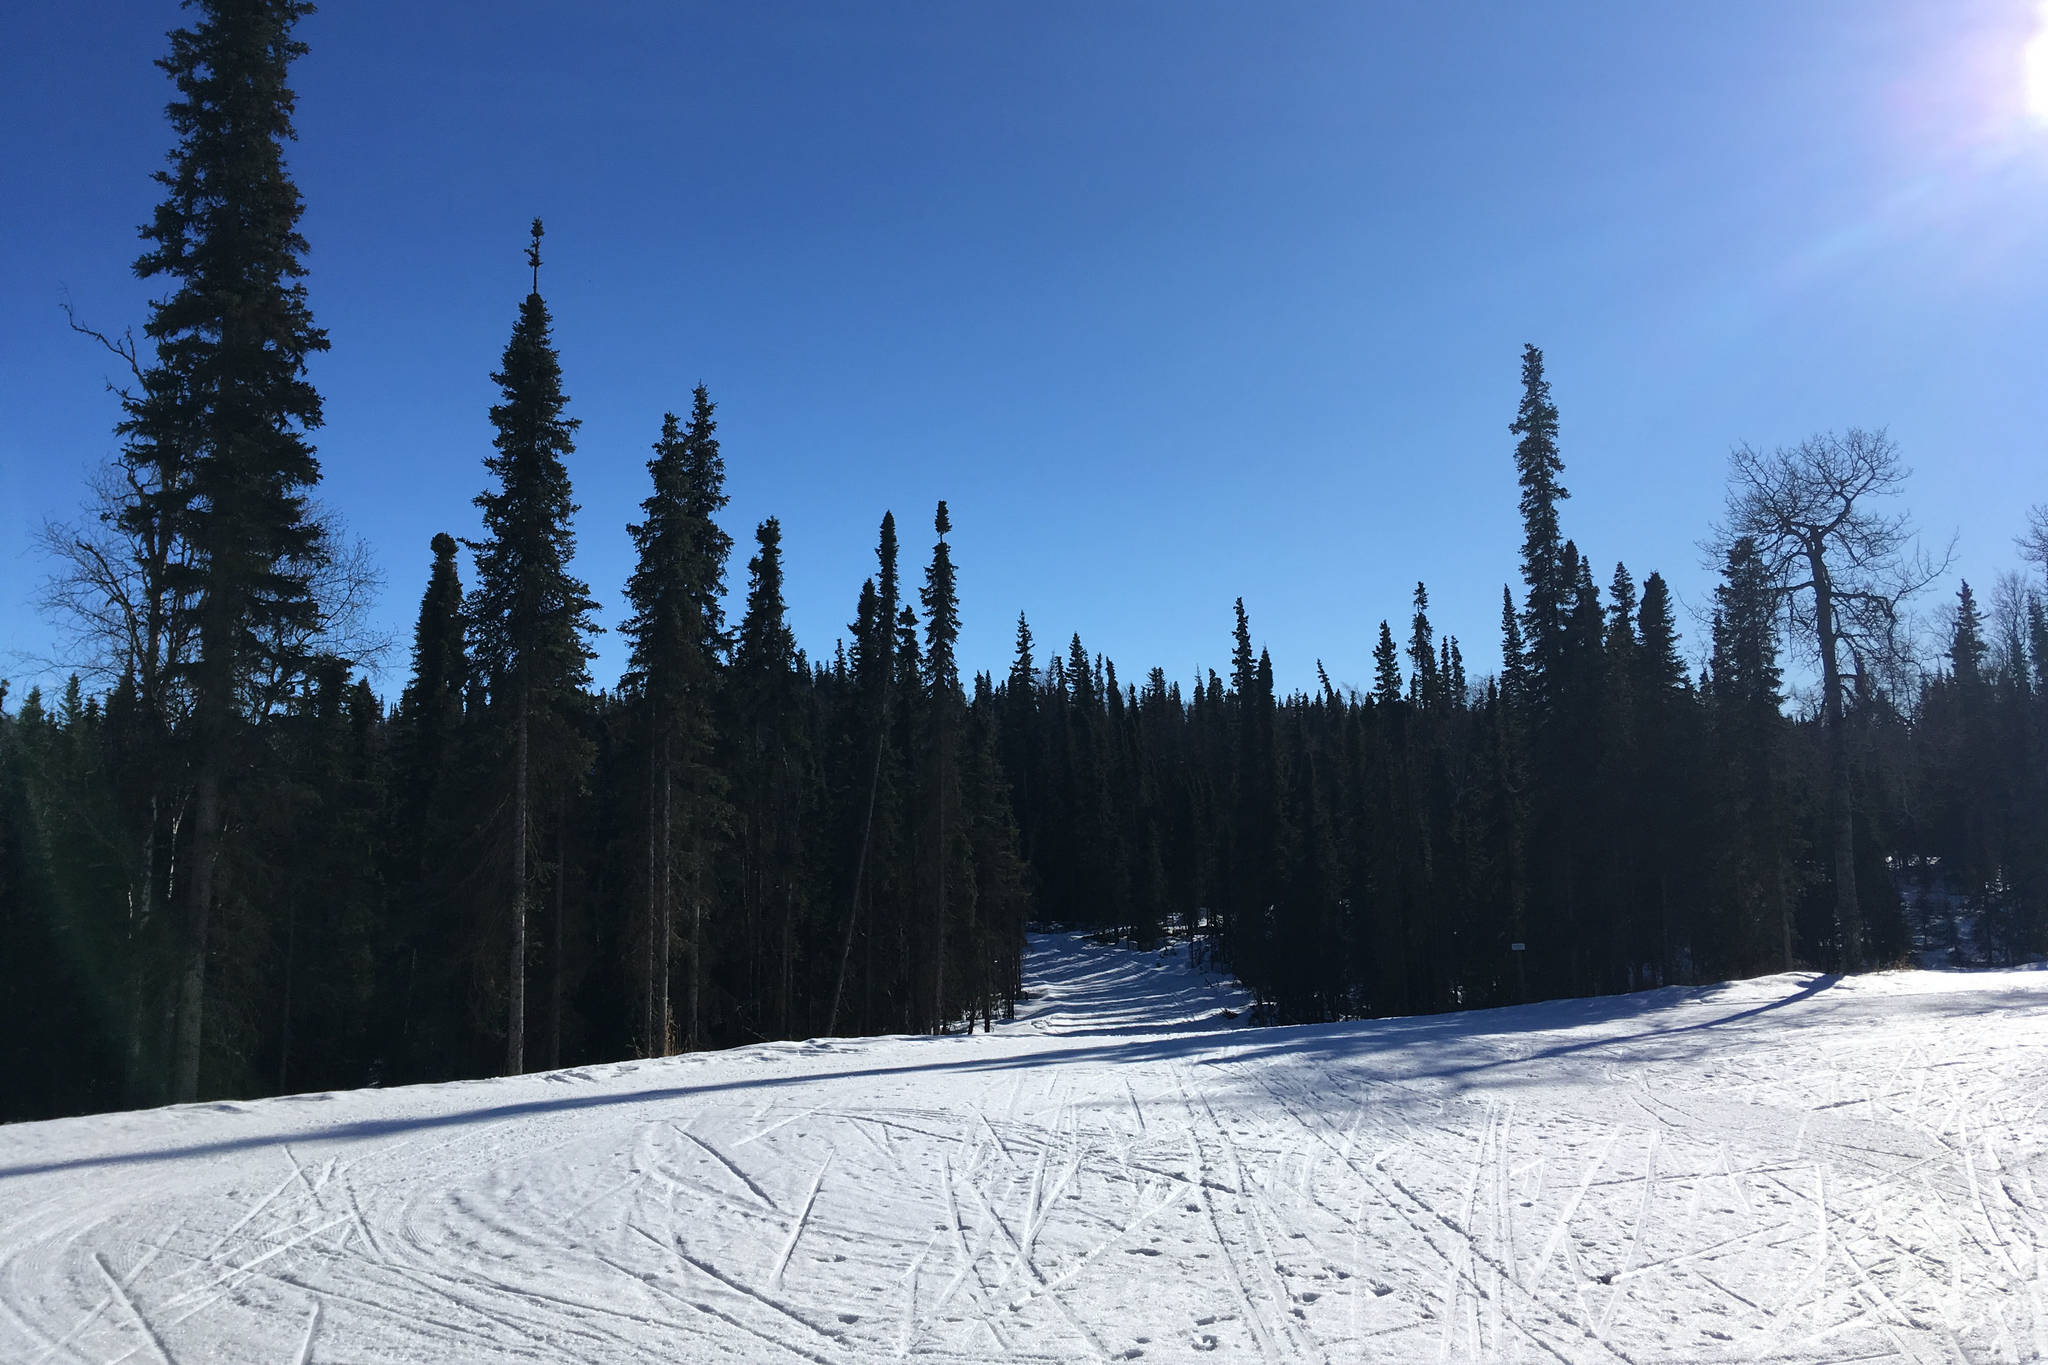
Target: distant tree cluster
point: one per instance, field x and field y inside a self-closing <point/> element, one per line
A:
<point x="229" y="868"/>
<point x="1628" y="822"/>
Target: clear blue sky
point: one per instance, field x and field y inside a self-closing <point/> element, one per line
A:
<point x="1172" y="302"/>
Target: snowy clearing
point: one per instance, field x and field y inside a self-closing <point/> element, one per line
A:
<point x="1793" y="1168"/>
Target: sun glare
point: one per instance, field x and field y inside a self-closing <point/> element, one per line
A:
<point x="2037" y="65"/>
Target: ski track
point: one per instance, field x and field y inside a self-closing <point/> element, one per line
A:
<point x="1783" y="1170"/>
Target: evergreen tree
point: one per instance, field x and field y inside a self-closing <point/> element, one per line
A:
<point x="1747" y="697"/>
<point x="677" y="631"/>
<point x="428" y="778"/>
<point x="217" y="433"/>
<point x="876" y="684"/>
<point x="1514" y="672"/>
<point x="1537" y="467"/>
<point x="1386" y="678"/>
<point x="1018" y="739"/>
<point x="529" y="618"/>
<point x="1967" y="650"/>
<point x="1660" y="671"/>
<point x="944" y="712"/>
<point x="1423" y="680"/>
<point x="1242" y="665"/>
<point x="432" y="699"/>
<point x="771" y="771"/>
<point x="1667" y="781"/>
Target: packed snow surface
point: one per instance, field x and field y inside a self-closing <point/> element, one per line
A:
<point x="1793" y="1168"/>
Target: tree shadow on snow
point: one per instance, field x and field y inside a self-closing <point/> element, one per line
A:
<point x="1428" y="1048"/>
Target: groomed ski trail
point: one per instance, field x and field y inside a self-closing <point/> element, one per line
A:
<point x="1796" y="1168"/>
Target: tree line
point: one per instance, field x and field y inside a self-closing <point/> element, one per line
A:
<point x="227" y="867"/>
<point x="1598" y="816"/>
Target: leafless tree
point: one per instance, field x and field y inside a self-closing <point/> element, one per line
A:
<point x="2033" y="541"/>
<point x="1844" y="567"/>
<point x="344" y="580"/>
<point x="108" y="590"/>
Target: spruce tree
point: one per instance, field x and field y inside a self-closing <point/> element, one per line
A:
<point x="1537" y="467"/>
<point x="1966" y="649"/>
<point x="1242" y="664"/>
<point x="1018" y="735"/>
<point x="771" y="768"/>
<point x="1668" y="778"/>
<point x="529" y="618"/>
<point x="424" y="992"/>
<point x="1514" y="663"/>
<point x="876" y="686"/>
<point x="944" y="712"/>
<point x="677" y="631"/>
<point x="217" y="432"/>
<point x="1746" y="694"/>
<point x="1386" y="662"/>
<point x="1422" y="656"/>
<point x="1660" y="671"/>
<point x="432" y="699"/>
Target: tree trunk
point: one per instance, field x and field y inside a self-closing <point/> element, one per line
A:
<point x="284" y="1038"/>
<point x="515" y="1023"/>
<point x="664" y="1039"/>
<point x="649" y="1040"/>
<point x="199" y="917"/>
<point x="939" y="928"/>
<point x="788" y="950"/>
<point x="141" y="915"/>
<point x="555" y="955"/>
<point x="696" y="935"/>
<point x="1848" y="911"/>
<point x="1777" y="883"/>
<point x="860" y="867"/>
<point x="1663" y="924"/>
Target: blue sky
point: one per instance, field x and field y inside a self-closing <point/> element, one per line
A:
<point x="1172" y="302"/>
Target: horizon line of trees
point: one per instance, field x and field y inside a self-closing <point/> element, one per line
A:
<point x="232" y="869"/>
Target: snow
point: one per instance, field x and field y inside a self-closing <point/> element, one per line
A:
<point x="1792" y="1168"/>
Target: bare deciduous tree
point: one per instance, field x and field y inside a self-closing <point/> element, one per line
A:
<point x="1844" y="567"/>
<point x="345" y="581"/>
<point x="2033" y="541"/>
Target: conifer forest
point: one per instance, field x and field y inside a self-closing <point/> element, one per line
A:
<point x="229" y="867"/>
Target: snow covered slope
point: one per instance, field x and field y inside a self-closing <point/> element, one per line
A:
<point x="1795" y="1168"/>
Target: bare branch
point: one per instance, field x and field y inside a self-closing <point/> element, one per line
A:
<point x="2033" y="542"/>
<point x="122" y="348"/>
<point x="1814" y="511"/>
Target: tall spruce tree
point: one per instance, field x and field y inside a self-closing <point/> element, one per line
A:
<point x="1423" y="676"/>
<point x="1666" y="779"/>
<point x="217" y="431"/>
<point x="875" y="680"/>
<point x="529" y="618"/>
<point x="1386" y="668"/>
<point x="771" y="767"/>
<point x="1746" y="695"/>
<point x="1966" y="648"/>
<point x="1537" y="467"/>
<point x="677" y="631"/>
<point x="945" y="710"/>
<point x="423" y="1026"/>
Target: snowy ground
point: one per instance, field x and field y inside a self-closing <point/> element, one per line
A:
<point x="1796" y="1168"/>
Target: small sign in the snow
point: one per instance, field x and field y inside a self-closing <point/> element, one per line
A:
<point x="1518" y="947"/>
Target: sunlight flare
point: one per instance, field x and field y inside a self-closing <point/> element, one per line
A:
<point x="2036" y="65"/>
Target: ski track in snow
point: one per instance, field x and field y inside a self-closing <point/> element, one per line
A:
<point x="1796" y="1168"/>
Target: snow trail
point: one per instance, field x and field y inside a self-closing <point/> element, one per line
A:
<point x="1797" y="1168"/>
